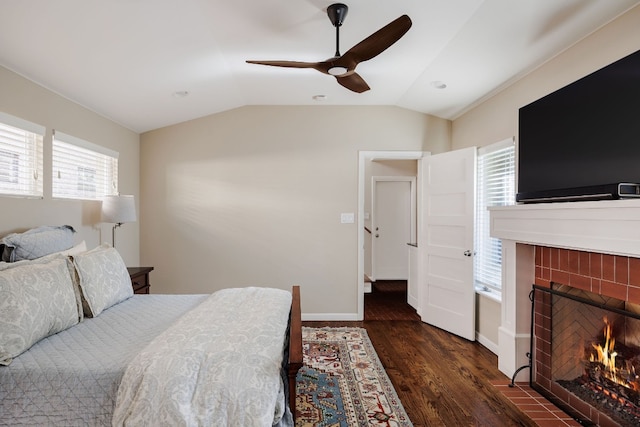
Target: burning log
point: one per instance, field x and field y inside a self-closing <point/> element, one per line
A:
<point x="609" y="381"/>
<point x="615" y="387"/>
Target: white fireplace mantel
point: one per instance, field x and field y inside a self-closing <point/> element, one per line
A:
<point x="611" y="226"/>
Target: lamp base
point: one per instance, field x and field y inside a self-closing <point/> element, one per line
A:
<point x="113" y="233"/>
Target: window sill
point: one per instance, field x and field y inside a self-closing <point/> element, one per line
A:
<point x="490" y="294"/>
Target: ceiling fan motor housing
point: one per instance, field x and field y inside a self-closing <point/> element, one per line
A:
<point x="337" y="12"/>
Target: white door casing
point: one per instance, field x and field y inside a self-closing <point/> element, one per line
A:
<point x="446" y="241"/>
<point x="414" y="278"/>
<point x="394" y="225"/>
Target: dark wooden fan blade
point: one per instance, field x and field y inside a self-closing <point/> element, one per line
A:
<point x="353" y="82"/>
<point x="379" y="41"/>
<point x="288" y="64"/>
<point x="368" y="48"/>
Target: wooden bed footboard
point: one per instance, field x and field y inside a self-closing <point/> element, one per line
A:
<point x="295" y="346"/>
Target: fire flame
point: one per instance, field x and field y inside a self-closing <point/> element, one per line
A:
<point x="606" y="355"/>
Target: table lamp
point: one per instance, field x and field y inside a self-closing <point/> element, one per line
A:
<point x="118" y="209"/>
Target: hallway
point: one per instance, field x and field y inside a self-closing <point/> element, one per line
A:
<point x="388" y="301"/>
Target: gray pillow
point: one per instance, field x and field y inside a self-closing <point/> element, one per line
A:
<point x="38" y="300"/>
<point x="37" y="242"/>
<point x="103" y="278"/>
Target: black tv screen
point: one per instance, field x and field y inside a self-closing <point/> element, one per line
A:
<point x="581" y="141"/>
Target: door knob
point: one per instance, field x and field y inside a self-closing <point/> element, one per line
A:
<point x="467" y="253"/>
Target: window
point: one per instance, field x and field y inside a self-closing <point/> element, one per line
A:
<point x="20" y="157"/>
<point x="82" y="170"/>
<point x="496" y="187"/>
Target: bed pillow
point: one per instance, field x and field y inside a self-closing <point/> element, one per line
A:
<point x="38" y="300"/>
<point x="77" y="249"/>
<point x="48" y="259"/>
<point x="37" y="242"/>
<point x="103" y="278"/>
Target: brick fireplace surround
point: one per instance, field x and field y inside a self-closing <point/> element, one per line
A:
<point x="614" y="276"/>
<point x="591" y="245"/>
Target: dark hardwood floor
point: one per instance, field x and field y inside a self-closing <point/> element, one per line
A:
<point x="442" y="380"/>
<point x="388" y="301"/>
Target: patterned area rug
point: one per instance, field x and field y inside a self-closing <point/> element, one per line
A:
<point x="343" y="383"/>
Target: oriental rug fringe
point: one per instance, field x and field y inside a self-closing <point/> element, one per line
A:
<point x="343" y="383"/>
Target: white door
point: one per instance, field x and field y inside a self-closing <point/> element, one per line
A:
<point x="392" y="227"/>
<point x="446" y="243"/>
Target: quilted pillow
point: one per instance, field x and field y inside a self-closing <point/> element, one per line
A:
<point x="38" y="300"/>
<point x="37" y="242"/>
<point x="103" y="279"/>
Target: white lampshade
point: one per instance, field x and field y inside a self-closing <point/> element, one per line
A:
<point x="118" y="209"/>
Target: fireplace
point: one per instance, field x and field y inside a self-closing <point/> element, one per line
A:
<point x="586" y="354"/>
<point x="586" y="335"/>
<point x="592" y="246"/>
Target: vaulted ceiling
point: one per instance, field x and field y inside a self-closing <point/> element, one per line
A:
<point x="147" y="64"/>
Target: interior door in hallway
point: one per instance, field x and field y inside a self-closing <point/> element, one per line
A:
<point x="446" y="241"/>
<point x="393" y="219"/>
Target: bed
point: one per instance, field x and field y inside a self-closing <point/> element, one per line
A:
<point x="229" y="358"/>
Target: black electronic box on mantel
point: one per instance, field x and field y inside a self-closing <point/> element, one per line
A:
<point x="582" y="142"/>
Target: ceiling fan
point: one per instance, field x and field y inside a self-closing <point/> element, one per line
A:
<point x="343" y="67"/>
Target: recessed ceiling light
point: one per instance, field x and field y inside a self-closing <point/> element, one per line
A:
<point x="439" y="84"/>
<point x="319" y="97"/>
<point x="180" y="94"/>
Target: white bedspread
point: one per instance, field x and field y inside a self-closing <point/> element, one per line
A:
<point x="218" y="365"/>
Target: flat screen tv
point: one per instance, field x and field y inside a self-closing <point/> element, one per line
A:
<point x="582" y="142"/>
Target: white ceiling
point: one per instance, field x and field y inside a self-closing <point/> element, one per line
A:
<point x="126" y="59"/>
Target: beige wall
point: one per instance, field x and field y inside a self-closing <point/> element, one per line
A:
<point x="497" y="118"/>
<point x="253" y="196"/>
<point x="24" y="99"/>
<point x="488" y="318"/>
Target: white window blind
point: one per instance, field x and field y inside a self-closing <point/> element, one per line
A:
<point x="496" y="187"/>
<point x="20" y="157"/>
<point x="83" y="170"/>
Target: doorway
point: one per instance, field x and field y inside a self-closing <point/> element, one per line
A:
<point x="364" y="215"/>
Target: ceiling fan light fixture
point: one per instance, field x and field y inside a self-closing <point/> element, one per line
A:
<point x="337" y="71"/>
<point x="368" y="48"/>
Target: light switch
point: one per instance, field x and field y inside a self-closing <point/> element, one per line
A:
<point x="347" y="218"/>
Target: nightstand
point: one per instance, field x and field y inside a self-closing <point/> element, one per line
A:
<point x="140" y="279"/>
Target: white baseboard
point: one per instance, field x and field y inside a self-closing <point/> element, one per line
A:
<point x="491" y="346"/>
<point x="367" y="287"/>
<point x="330" y="317"/>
